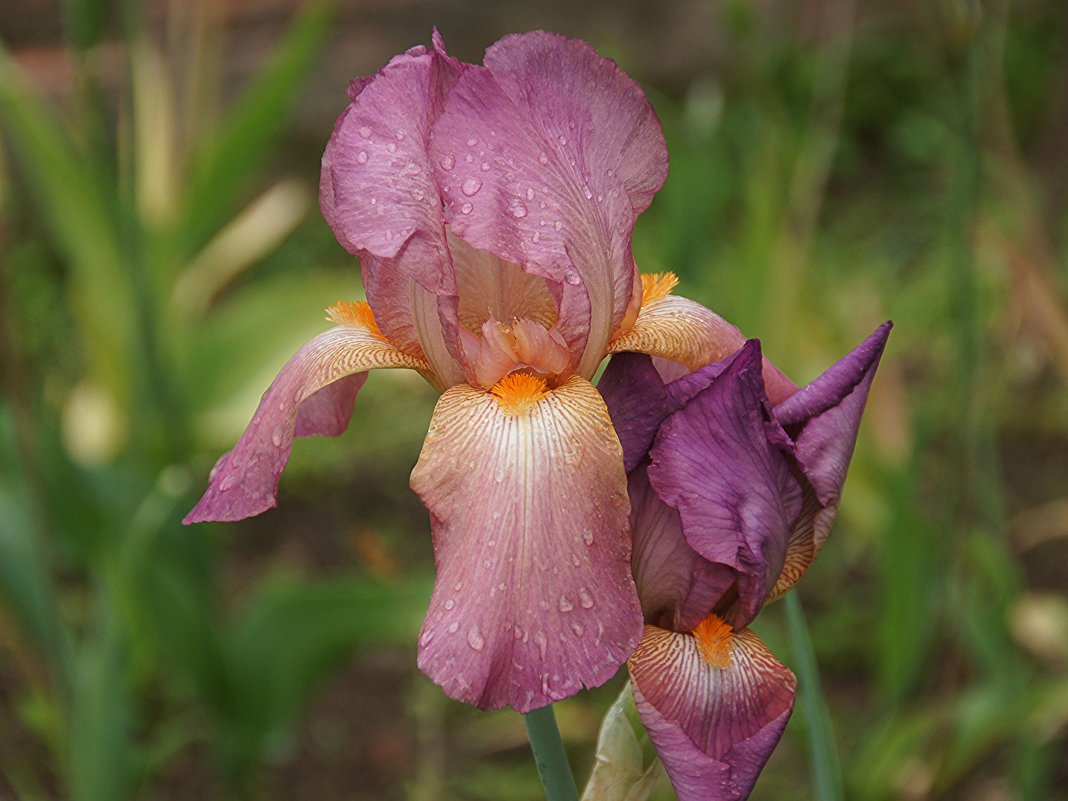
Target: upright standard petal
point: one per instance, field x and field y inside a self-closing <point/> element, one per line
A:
<point x="722" y="462"/>
<point x="533" y="598"/>
<point x="545" y="157"/>
<point x="378" y="195"/>
<point x="823" y="419"/>
<point x="714" y="710"/>
<point x="309" y="396"/>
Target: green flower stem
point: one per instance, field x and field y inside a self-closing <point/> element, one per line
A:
<point x="823" y="756"/>
<point x="549" y="755"/>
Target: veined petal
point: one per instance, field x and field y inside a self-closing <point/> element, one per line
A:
<point x="683" y="331"/>
<point x="823" y="419"/>
<point x="676" y="586"/>
<point x="545" y="157"/>
<point x="534" y="598"/>
<point x="713" y="726"/>
<point x="722" y="462"/>
<point x="307" y="397"/>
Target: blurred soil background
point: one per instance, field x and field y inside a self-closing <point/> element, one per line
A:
<point x="835" y="163"/>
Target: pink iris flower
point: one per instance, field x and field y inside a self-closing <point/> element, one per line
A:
<point x="491" y="208"/>
<point x="734" y="486"/>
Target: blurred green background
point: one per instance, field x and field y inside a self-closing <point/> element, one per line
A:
<point x="834" y="163"/>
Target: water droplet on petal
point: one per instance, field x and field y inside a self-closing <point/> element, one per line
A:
<point x="228" y="481"/>
<point x="565" y="604"/>
<point x="392" y="147"/>
<point x="365" y="132"/>
<point x="447" y="163"/>
<point x="536" y="238"/>
<point x="449" y="604"/>
<point x="361" y="157"/>
<point x="577" y="628"/>
<point x="518" y="209"/>
<point x="472" y="142"/>
<point x="587" y="536"/>
<point x="475" y="638"/>
<point x="466" y="208"/>
<point x="585" y="599"/>
<point x="400" y="134"/>
<point x="276" y="436"/>
<point x="454" y="627"/>
<point x="557" y="225"/>
<point x="543" y="159"/>
<point x="469" y="158"/>
<point x="471" y="186"/>
<point x="572" y="277"/>
<point x="374" y="201"/>
<point x="562" y="139"/>
<point x="530" y="193"/>
<point x="485" y="166"/>
<point x="542" y="643"/>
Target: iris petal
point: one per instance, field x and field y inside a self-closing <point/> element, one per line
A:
<point x="677" y="328"/>
<point x="713" y="727"/>
<point x="533" y="597"/>
<point x="309" y="396"/>
<point x="823" y="419"/>
<point x="724" y="464"/>
<point x="545" y="157"/>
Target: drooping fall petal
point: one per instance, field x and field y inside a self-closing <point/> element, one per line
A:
<point x="823" y="418"/>
<point x="722" y="462"/>
<point x="545" y="157"/>
<point x="533" y="598"/>
<point x="325" y="373"/>
<point x="679" y="329"/>
<point x="714" y="725"/>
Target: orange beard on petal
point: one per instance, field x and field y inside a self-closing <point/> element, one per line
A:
<point x="715" y="641"/>
<point x="518" y="393"/>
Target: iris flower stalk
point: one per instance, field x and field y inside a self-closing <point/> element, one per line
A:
<point x="734" y="485"/>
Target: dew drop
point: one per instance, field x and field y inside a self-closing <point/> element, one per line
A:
<point x="543" y="605"/>
<point x="447" y="163"/>
<point x="454" y="627"/>
<point x="530" y="193"/>
<point x="585" y="599"/>
<point x="557" y="225"/>
<point x="365" y="132"/>
<point x="587" y="536"/>
<point x="469" y="158"/>
<point x="466" y="208"/>
<point x="485" y="166"/>
<point x="543" y="159"/>
<point x="361" y="157"/>
<point x="418" y="194"/>
<point x="542" y="643"/>
<point x="536" y="237"/>
<point x="412" y="169"/>
<point x="571" y="276"/>
<point x="471" y="186"/>
<point x="227" y="482"/>
<point x="400" y="134"/>
<point x="374" y="201"/>
<point x="459" y="585"/>
<point x="587" y="192"/>
<point x="518" y="210"/>
<point x="276" y="436"/>
<point x="472" y="142"/>
<point x="562" y="139"/>
<point x="451" y="603"/>
<point x="392" y="147"/>
<point x="475" y="638"/>
<point x="577" y="628"/>
<point x="575" y="560"/>
<point x="565" y="604"/>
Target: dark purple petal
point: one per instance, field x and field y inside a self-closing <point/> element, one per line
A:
<point x="823" y="419"/>
<point x="713" y="727"/>
<point x="326" y="373"/>
<point x="533" y="598"/>
<point x="722" y="462"/>
<point x="676" y="587"/>
<point x="545" y="157"/>
<point x="637" y="401"/>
